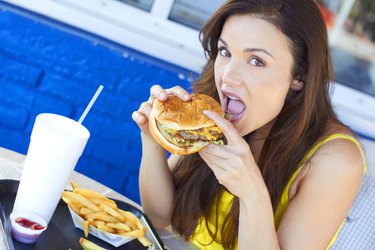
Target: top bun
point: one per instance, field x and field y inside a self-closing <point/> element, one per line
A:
<point x="186" y="115"/>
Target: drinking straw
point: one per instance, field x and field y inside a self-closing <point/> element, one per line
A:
<point x="93" y="99"/>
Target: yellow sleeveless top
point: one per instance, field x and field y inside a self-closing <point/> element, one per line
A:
<point x="202" y="238"/>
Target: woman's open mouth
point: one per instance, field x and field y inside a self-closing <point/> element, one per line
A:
<point x="233" y="106"/>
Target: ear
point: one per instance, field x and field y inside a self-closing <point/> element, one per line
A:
<point x="297" y="85"/>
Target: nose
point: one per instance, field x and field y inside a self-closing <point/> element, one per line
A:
<point x="231" y="74"/>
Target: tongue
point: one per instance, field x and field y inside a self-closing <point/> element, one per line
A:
<point x="235" y="107"/>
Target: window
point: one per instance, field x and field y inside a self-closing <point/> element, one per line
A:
<point x="351" y="26"/>
<point x="145" y="5"/>
<point x="193" y="13"/>
<point x="353" y="43"/>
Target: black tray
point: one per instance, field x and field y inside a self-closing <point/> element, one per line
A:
<point x="61" y="232"/>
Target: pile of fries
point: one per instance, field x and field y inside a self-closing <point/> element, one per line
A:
<point x="100" y="212"/>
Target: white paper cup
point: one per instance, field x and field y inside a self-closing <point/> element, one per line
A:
<point x="56" y="144"/>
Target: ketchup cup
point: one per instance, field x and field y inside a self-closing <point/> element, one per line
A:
<point x="26" y="227"/>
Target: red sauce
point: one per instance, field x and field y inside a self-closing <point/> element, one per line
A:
<point x="29" y="224"/>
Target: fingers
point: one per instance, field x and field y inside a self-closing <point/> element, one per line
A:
<point x="180" y="92"/>
<point x="229" y="131"/>
<point x="216" y="152"/>
<point x="156" y="92"/>
<point x="217" y="162"/>
<point x="228" y="163"/>
<point x="141" y="116"/>
<point x="140" y="119"/>
<point x="218" y="157"/>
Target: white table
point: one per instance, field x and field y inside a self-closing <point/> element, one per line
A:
<point x="11" y="165"/>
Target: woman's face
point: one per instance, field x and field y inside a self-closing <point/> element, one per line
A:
<point x="252" y="71"/>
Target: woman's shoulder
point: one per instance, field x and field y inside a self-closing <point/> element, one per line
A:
<point x="340" y="153"/>
<point x="328" y="185"/>
<point x="336" y="164"/>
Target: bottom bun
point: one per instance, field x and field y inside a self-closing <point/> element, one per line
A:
<point x="167" y="145"/>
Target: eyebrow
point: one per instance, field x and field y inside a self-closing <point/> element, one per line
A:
<point x="250" y="49"/>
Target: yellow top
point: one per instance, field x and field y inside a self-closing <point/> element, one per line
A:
<point x="201" y="237"/>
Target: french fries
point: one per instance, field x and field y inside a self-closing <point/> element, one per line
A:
<point x="88" y="245"/>
<point x="98" y="211"/>
<point x="86" y="226"/>
<point x="112" y="212"/>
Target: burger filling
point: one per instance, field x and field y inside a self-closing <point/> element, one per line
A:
<point x="187" y="138"/>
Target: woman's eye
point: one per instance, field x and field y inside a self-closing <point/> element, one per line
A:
<point x="256" y="62"/>
<point x="224" y="52"/>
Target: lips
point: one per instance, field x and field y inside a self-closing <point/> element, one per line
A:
<point x="233" y="106"/>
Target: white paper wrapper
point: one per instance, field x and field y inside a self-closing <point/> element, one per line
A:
<point x="113" y="239"/>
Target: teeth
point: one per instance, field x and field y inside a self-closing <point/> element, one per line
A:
<point x="232" y="97"/>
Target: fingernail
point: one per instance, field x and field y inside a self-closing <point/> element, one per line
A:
<point x="162" y="95"/>
<point x="139" y="118"/>
<point x="186" y="97"/>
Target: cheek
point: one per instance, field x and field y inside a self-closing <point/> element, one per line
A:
<point x="274" y="86"/>
<point x="272" y="107"/>
<point x="273" y="96"/>
<point x="267" y="99"/>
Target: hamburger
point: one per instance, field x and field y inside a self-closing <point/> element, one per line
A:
<point x="181" y="127"/>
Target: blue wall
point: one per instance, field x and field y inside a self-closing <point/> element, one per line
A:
<point x="46" y="66"/>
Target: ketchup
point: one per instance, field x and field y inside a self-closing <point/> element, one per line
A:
<point x="29" y="224"/>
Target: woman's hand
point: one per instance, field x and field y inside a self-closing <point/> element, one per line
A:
<point x="155" y="175"/>
<point x="233" y="164"/>
<point x="156" y="92"/>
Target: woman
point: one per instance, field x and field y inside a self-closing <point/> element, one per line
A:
<point x="290" y="170"/>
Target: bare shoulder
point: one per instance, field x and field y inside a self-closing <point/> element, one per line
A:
<point x="324" y="193"/>
<point x="340" y="156"/>
<point x="337" y="166"/>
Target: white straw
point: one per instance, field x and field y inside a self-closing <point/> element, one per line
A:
<point x="93" y="99"/>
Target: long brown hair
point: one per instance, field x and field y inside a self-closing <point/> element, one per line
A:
<point x="300" y="124"/>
